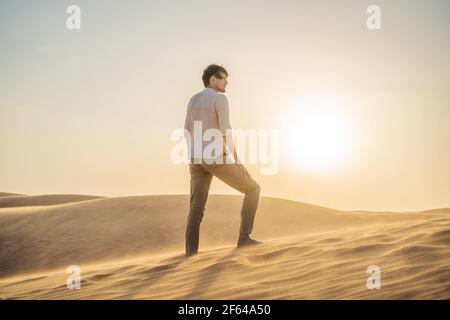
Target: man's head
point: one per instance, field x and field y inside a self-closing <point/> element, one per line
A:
<point x="215" y="76"/>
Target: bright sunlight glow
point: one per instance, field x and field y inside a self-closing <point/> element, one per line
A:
<point x="317" y="132"/>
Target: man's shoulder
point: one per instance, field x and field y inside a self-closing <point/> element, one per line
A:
<point x="221" y="99"/>
<point x="218" y="96"/>
<point x="210" y="93"/>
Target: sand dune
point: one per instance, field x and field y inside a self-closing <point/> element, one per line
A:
<point x="11" y="200"/>
<point x="7" y="194"/>
<point x="133" y="248"/>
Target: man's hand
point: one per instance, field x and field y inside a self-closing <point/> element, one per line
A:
<point x="229" y="139"/>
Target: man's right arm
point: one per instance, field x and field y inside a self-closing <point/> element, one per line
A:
<point x="223" y="116"/>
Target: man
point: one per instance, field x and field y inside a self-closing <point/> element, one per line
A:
<point x="210" y="109"/>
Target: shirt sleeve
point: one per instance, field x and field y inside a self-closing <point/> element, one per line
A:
<point x="223" y="113"/>
<point x="187" y="120"/>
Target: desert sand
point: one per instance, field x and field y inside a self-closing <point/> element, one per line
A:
<point x="132" y="247"/>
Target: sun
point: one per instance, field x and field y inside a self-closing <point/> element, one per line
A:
<point x="317" y="132"/>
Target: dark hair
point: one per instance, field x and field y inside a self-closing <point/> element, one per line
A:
<point x="212" y="70"/>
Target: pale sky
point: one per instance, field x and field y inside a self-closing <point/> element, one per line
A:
<point x="91" y="111"/>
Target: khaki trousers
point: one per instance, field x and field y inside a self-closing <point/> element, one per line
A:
<point x="233" y="174"/>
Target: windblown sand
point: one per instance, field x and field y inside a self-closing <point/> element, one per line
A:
<point x="133" y="248"/>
